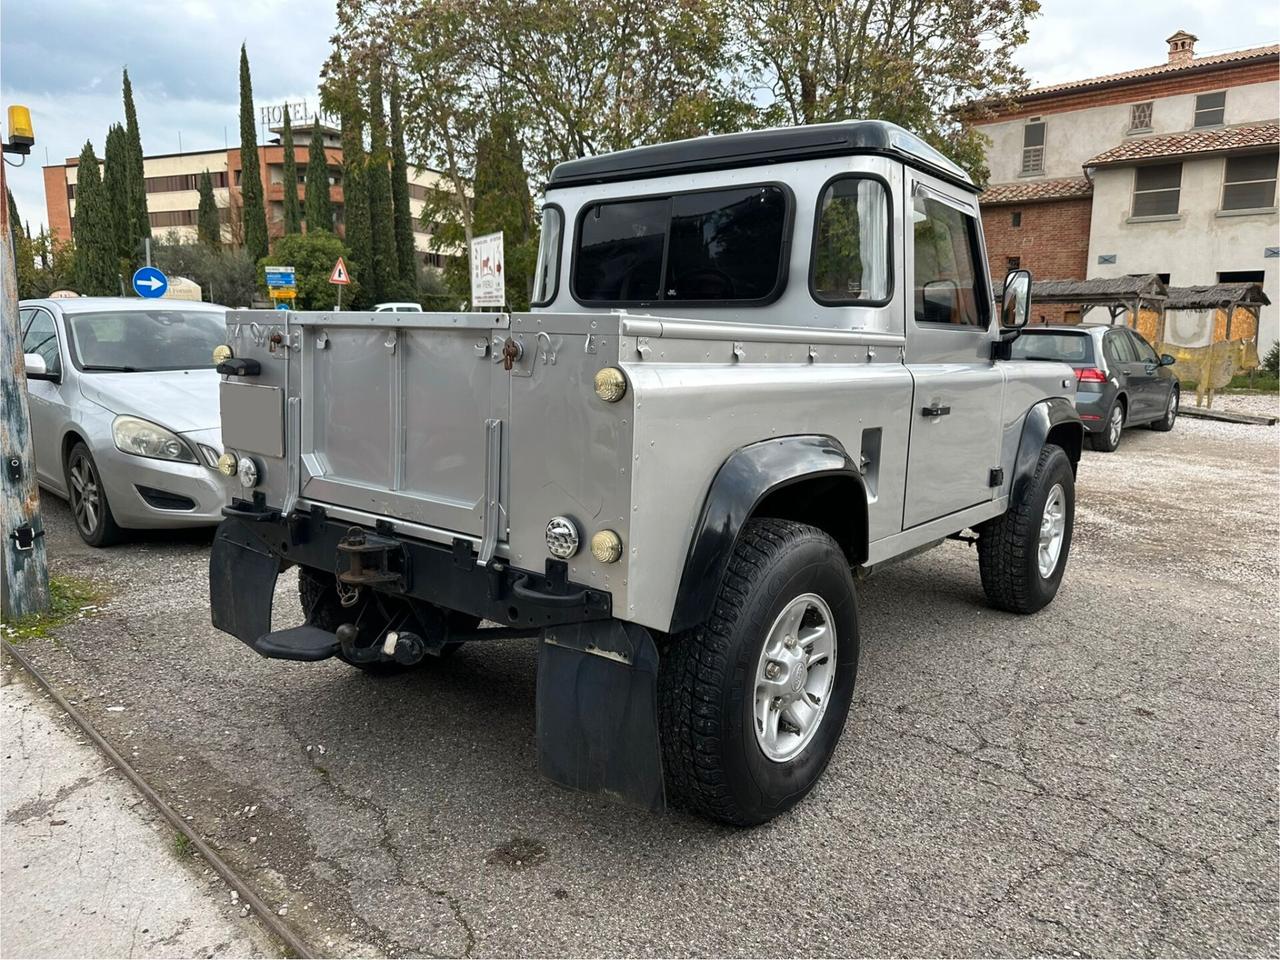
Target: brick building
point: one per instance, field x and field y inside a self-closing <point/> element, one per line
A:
<point x="172" y="185"/>
<point x="1167" y="169"/>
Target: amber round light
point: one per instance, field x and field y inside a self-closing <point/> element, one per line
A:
<point x="606" y="546"/>
<point x="221" y="353"/>
<point x="611" y="385"/>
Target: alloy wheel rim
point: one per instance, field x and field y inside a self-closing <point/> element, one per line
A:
<point x="1173" y="405"/>
<point x="794" y="677"/>
<point x="86" y="500"/>
<point x="1053" y="527"/>
<point x="1117" y="424"/>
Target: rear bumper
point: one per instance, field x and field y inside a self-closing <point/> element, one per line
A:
<point x="1093" y="407"/>
<point x="254" y="544"/>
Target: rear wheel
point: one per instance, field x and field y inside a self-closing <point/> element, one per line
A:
<point x="751" y="703"/>
<point x="1165" y="423"/>
<point x="320" y="605"/>
<point x="1023" y="553"/>
<point x="94" y="521"/>
<point x="1109" y="438"/>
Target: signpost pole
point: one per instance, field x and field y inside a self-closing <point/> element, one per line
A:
<point x="24" y="582"/>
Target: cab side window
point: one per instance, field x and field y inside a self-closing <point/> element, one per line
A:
<point x="948" y="283"/>
<point x="42" y="338"/>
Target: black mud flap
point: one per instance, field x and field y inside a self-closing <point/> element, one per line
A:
<point x="598" y="711"/>
<point x="242" y="580"/>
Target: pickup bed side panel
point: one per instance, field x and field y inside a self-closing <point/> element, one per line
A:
<point x="691" y="415"/>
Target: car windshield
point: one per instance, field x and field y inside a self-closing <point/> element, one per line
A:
<point x="131" y="341"/>
<point x="1062" y="347"/>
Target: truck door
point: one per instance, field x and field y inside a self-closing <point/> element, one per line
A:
<point x="957" y="389"/>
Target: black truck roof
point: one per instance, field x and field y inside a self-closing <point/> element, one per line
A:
<point x="760" y="148"/>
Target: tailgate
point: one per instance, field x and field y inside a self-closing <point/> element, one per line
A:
<point x="402" y="416"/>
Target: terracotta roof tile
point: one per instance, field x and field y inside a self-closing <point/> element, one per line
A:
<point x="1158" y="70"/>
<point x="1190" y="143"/>
<point x="1031" y="191"/>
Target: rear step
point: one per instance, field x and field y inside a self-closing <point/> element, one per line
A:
<point x="297" y="643"/>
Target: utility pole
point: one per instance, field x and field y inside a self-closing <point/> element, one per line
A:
<point x="24" y="585"/>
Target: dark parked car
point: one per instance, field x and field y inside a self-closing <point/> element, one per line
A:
<point x="1122" y="382"/>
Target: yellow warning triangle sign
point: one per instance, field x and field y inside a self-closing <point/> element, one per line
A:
<point x="339" y="274"/>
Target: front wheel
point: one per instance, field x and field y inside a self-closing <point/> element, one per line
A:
<point x="94" y="521"/>
<point x="1022" y="554"/>
<point x="751" y="703"/>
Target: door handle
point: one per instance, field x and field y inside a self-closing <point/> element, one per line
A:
<point x="935" y="411"/>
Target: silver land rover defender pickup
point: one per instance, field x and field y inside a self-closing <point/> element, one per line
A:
<point x="757" y="366"/>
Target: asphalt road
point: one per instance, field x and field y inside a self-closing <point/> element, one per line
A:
<point x="1099" y="778"/>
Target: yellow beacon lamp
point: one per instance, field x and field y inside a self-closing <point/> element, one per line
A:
<point x="22" y="135"/>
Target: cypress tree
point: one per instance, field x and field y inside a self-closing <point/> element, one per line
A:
<point x="402" y="217"/>
<point x="319" y="207"/>
<point x="503" y="203"/>
<point x="115" y="188"/>
<point x="95" y="250"/>
<point x="356" y="205"/>
<point x="292" y="209"/>
<point x="386" y="265"/>
<point x="15" y="225"/>
<point x="255" y="211"/>
<point x="209" y="226"/>
<point x="139" y="222"/>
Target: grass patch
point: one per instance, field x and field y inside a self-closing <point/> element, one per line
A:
<point x="182" y="845"/>
<point x="1262" y="383"/>
<point x="69" y="598"/>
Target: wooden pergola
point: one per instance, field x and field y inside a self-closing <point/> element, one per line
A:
<point x="1116" y="295"/>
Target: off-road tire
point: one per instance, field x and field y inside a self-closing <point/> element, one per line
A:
<point x="1165" y="423"/>
<point x="105" y="531"/>
<point x="1104" y="442"/>
<point x="321" y="607"/>
<point x="1007" y="545"/>
<point x="713" y="763"/>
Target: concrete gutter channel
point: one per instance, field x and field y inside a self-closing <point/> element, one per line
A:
<point x="1096" y="779"/>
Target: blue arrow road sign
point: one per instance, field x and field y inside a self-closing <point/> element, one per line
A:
<point x="149" y="282"/>
<point x="280" y="277"/>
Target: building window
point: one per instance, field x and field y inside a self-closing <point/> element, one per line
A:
<point x="1015" y="218"/>
<point x="1012" y="263"/>
<point x="172" y="218"/>
<point x="1242" y="276"/>
<point x="182" y="181"/>
<point x="1140" y="116"/>
<point x="1033" y="148"/>
<point x="1210" y="109"/>
<point x="1156" y="189"/>
<point x="1250" y="182"/>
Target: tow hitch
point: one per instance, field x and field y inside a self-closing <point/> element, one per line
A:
<point x="372" y="561"/>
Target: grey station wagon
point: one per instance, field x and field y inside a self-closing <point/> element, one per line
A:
<point x="756" y="364"/>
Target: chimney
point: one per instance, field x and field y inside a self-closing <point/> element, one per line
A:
<point x="1182" y="47"/>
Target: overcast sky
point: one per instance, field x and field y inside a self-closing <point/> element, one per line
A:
<point x="63" y="58"/>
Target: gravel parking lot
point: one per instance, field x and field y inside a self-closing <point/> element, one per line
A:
<point x="1099" y="778"/>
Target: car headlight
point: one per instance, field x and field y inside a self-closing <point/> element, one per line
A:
<point x="142" y="438"/>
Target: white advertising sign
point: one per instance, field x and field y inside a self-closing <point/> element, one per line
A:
<point x="488" y="284"/>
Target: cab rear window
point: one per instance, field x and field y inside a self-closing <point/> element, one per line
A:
<point x="1062" y="347"/>
<point x="710" y="247"/>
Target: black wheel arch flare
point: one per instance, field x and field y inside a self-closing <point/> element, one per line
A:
<point x="809" y="477"/>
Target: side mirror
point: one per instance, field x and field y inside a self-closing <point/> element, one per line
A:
<point x="36" y="369"/>
<point x="1015" y="308"/>
<point x="1167" y="360"/>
